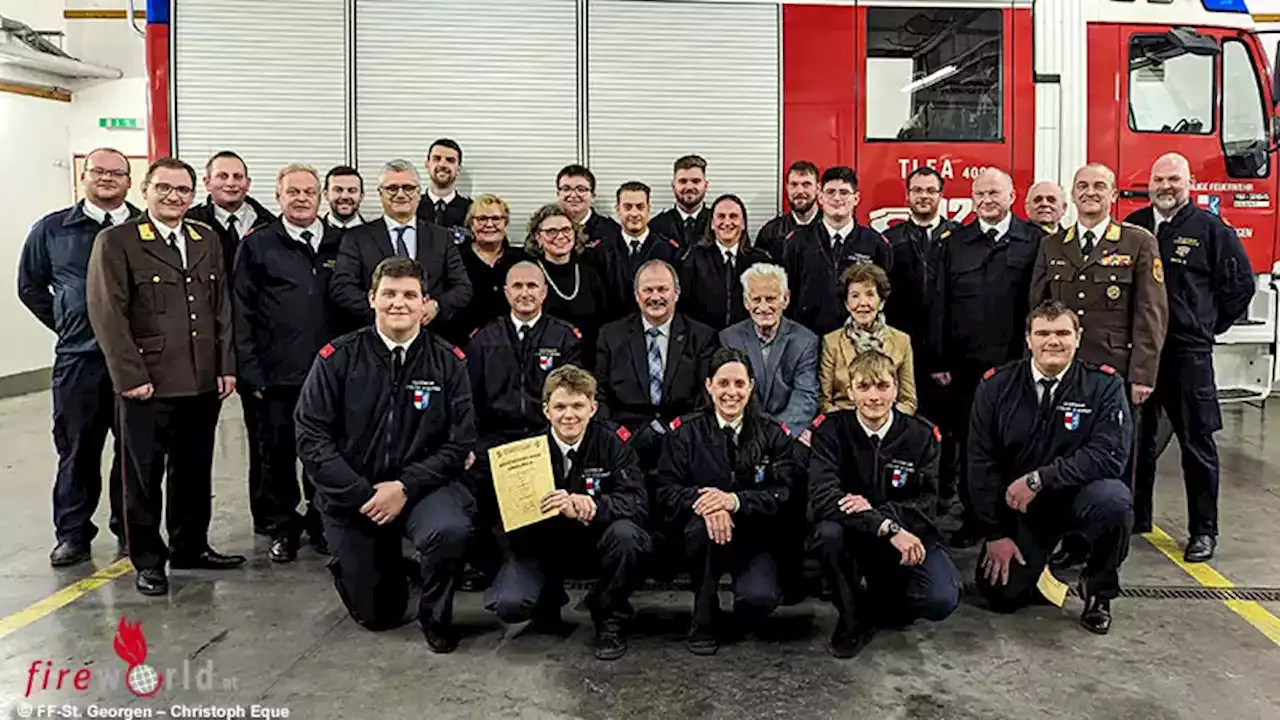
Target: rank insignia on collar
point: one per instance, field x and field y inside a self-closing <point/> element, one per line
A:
<point x="192" y="232"/>
<point x="146" y="232"/>
<point x="1113" y="232"/>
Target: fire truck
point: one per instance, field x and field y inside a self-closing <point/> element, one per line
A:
<point x="1034" y="87"/>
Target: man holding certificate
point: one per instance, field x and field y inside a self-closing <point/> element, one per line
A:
<point x="384" y="426"/>
<point x="594" y="524"/>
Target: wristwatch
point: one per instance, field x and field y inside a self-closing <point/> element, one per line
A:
<point x="893" y="529"/>
<point x="1033" y="482"/>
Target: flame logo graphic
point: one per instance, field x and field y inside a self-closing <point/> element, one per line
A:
<point x="131" y="646"/>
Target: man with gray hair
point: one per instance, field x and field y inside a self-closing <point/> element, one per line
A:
<point x="1046" y="204"/>
<point x="399" y="233"/>
<point x="783" y="353"/>
<point x="280" y="273"/>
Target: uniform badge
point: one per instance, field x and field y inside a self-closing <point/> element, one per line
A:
<point x="1157" y="270"/>
<point x="592" y="485"/>
<point x="1071" y="419"/>
<point x="145" y="232"/>
<point x="760" y="474"/>
<point x="1113" y="232"/>
<point x="1113" y="292"/>
<point x="1182" y="250"/>
<point x="192" y="232"/>
<point x="899" y="477"/>
<point x="421" y="398"/>
<point x="544" y="362"/>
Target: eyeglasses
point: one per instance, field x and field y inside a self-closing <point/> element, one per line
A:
<point x="102" y="172"/>
<point x="489" y="219"/>
<point x="924" y="191"/>
<point x="163" y="190"/>
<point x="579" y="189"/>
<point x="394" y="190"/>
<point x="840" y="193"/>
<point x="563" y="232"/>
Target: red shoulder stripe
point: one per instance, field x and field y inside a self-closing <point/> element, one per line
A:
<point x="675" y="423"/>
<point x="624" y="433"/>
<point x="937" y="434"/>
<point x="1107" y="369"/>
<point x="577" y="333"/>
<point x="987" y="375"/>
<point x="473" y="332"/>
<point x="818" y="420"/>
<point x="785" y="429"/>
<point x="326" y="351"/>
<point x="458" y="351"/>
<point x="674" y="244"/>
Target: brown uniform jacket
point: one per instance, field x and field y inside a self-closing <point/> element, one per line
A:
<point x="1118" y="293"/>
<point x="156" y="322"/>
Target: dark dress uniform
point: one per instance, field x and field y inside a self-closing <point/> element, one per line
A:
<point x="814" y="265"/>
<point x="711" y="287"/>
<point x="507" y="376"/>
<point x="685" y="231"/>
<point x="452" y="215"/>
<point x="366" y="417"/>
<point x="654" y="247"/>
<point x="166" y="321"/>
<point x="612" y="548"/>
<point x="979" y="316"/>
<point x="698" y="452"/>
<point x="775" y="234"/>
<point x="232" y="236"/>
<point x="605" y="252"/>
<point x="488" y="299"/>
<point x="898" y="476"/>
<point x="281" y="311"/>
<point x="51" y="283"/>
<point x="364" y="247"/>
<point x="627" y="386"/>
<point x="1117" y="291"/>
<point x="1210" y="285"/>
<point x="1077" y="439"/>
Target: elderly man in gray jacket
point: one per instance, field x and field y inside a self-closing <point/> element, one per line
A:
<point x="783" y="353"/>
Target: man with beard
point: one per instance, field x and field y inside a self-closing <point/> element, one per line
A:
<point x="802" y="196"/>
<point x="343" y="191"/>
<point x="231" y="211"/>
<point x="1046" y="204"/>
<point x="687" y="221"/>
<point x="1210" y="286"/>
<point x="442" y="205"/>
<point x="51" y="283"/>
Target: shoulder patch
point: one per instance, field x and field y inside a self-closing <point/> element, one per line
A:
<point x="937" y="434"/>
<point x="624" y="433"/>
<point x="473" y="332"/>
<point x="577" y="333"/>
<point x="785" y="428"/>
<point x="788" y="235"/>
<point x="818" y="420"/>
<point x="1107" y="369"/>
<point x="327" y="350"/>
<point x="593" y="243"/>
<point x="675" y="423"/>
<point x="987" y="375"/>
<point x="1157" y="270"/>
<point x="458" y="351"/>
<point x="945" y="234"/>
<point x="674" y="244"/>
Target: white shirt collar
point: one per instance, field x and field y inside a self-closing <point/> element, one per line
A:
<point x="832" y="230"/>
<point x="245" y="216"/>
<point x="316" y="228"/>
<point x="392" y="345"/>
<point x="1161" y="217"/>
<point x="735" y="424"/>
<point x="118" y="215"/>
<point x="1037" y="376"/>
<point x="628" y="239"/>
<point x="883" y="432"/>
<point x="1098" y="230"/>
<point x="1002" y="227"/>
<point x="665" y="327"/>
<point x="813" y="213"/>
<point x="935" y="222"/>
<point x="732" y="250"/>
<point x="166" y="230"/>
<point x="587" y="218"/>
<point x="564" y="448"/>
<point x="453" y="193"/>
<point x="685" y="216"/>
<point x="517" y="322"/>
<point x="333" y="220"/>
<point x="392" y="224"/>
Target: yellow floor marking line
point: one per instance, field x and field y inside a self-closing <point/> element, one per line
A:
<point x="63" y="598"/>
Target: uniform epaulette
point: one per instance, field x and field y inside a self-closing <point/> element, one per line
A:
<point x="818" y="420"/>
<point x="788" y="235"/>
<point x="1107" y="369"/>
<point x="473" y="332"/>
<point x="945" y="234"/>
<point x="593" y="243"/>
<point x="785" y="428"/>
<point x="201" y="223"/>
<point x="458" y="351"/>
<point x="577" y="333"/>
<point x="624" y="433"/>
<point x="987" y="375"/>
<point x="675" y="424"/>
<point x="674" y="244"/>
<point x="937" y="434"/>
<point x="327" y="350"/>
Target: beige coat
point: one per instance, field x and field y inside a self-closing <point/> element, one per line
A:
<point x="835" y="385"/>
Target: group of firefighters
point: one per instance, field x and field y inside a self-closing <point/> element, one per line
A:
<point x="711" y="402"/>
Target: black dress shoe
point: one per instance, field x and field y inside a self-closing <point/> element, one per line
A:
<point x="283" y="550"/>
<point x="122" y="549"/>
<point x="702" y="641"/>
<point x="69" y="553"/>
<point x="318" y="542"/>
<point x="441" y="638"/>
<point x="152" y="582"/>
<point x="207" y="560"/>
<point x="1200" y="548"/>
<point x="610" y="644"/>
<point x="847" y="642"/>
<point x="1096" y="617"/>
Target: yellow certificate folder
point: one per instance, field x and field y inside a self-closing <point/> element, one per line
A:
<point x="521" y="478"/>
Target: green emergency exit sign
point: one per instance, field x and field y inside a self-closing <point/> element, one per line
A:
<point x="118" y="123"/>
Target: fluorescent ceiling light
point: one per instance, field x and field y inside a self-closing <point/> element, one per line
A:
<point x="930" y="79"/>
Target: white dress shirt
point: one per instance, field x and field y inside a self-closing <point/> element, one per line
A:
<point x="1098" y="230"/>
<point x="355" y="221"/>
<point x="1002" y="227"/>
<point x="517" y="323"/>
<point x="119" y="215"/>
<point x="685" y="216"/>
<point x="727" y="252"/>
<point x="163" y="232"/>
<point x="410" y="234"/>
<point x="316" y="228"/>
<point x="843" y="231"/>
<point x="392" y="344"/>
<point x="564" y="450"/>
<point x="736" y="424"/>
<point x="434" y="198"/>
<point x="1037" y="376"/>
<point x="883" y="432"/>
<point x="246" y="216"/>
<point x="633" y="243"/>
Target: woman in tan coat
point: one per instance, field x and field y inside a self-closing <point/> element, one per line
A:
<point x="865" y="289"/>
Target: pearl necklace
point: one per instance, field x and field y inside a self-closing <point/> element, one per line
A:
<point x="577" y="282"/>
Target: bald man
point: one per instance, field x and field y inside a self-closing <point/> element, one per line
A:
<point x="1210" y="284"/>
<point x="978" y="319"/>
<point x="1046" y="204"/>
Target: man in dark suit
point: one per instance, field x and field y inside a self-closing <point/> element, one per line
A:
<point x="233" y="214"/>
<point x="651" y="364"/>
<point x="398" y="233"/>
<point x="442" y="205"/>
<point x="783" y="353"/>
<point x="687" y="222"/>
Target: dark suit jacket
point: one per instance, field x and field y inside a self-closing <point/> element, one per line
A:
<point x="365" y="246"/>
<point x="230" y="241"/>
<point x="622" y="370"/>
<point x="786" y="385"/>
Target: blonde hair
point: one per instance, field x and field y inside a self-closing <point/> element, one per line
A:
<point x="570" y="378"/>
<point x="872" y="365"/>
<point x="484" y="202"/>
<point x="292" y="168"/>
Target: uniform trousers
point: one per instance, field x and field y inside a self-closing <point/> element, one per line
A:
<point x="1101" y="511"/>
<point x="368" y="563"/>
<point x="749" y="559"/>
<point x="84" y="410"/>
<point x="279" y="496"/>
<point x="540" y="557"/>
<point x="895" y="594"/>
<point x="179" y="430"/>
<point x="251" y="408"/>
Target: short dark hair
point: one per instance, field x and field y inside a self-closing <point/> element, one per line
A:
<point x="446" y="142"/>
<point x="926" y="171"/>
<point x="689" y="162"/>
<point x="110" y="150"/>
<point x="169" y="163"/>
<point x="804" y="167"/>
<point x="865" y="272"/>
<point x="632" y="186"/>
<point x="399" y="267"/>
<point x="576" y="170"/>
<point x="208" y="167"/>
<point x="343" y="171"/>
<point x="840" y="173"/>
<point x="1051" y="310"/>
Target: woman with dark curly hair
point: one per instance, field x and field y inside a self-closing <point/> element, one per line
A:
<point x="575" y="291"/>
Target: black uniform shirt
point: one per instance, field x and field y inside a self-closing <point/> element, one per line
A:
<point x="915" y="251"/>
<point x="607" y="470"/>
<point x="507" y="375"/>
<point x="813" y="271"/>
<point x="359" y="424"/>
<point x="710" y="289"/>
<point x="778" y="232"/>
<point x="1084" y="437"/>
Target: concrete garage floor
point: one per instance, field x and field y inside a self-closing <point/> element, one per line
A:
<point x="277" y="637"/>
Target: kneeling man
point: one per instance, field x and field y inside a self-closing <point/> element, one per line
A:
<point x="1048" y="441"/>
<point x="600" y="504"/>
<point x="873" y="490"/>
<point x="384" y="426"/>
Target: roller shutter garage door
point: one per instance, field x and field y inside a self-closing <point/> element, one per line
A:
<point x="499" y="77"/>
<point x="264" y="79"/>
<point x="670" y="78"/>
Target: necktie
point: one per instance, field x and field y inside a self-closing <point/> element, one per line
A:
<point x="401" y="248"/>
<point x="306" y="237"/>
<point x="689" y="228"/>
<point x="521" y="332"/>
<point x="1086" y="243"/>
<point x="635" y="247"/>
<point x="570" y="460"/>
<point x="1046" y="396"/>
<point x="397" y="360"/>
<point x="837" y="244"/>
<point x="440" y="212"/>
<point x="993" y="234"/>
<point x="231" y="225"/>
<point x="172" y="242"/>
<point x="731" y="444"/>
<point x="107" y="221"/>
<point x="655" y="367"/>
